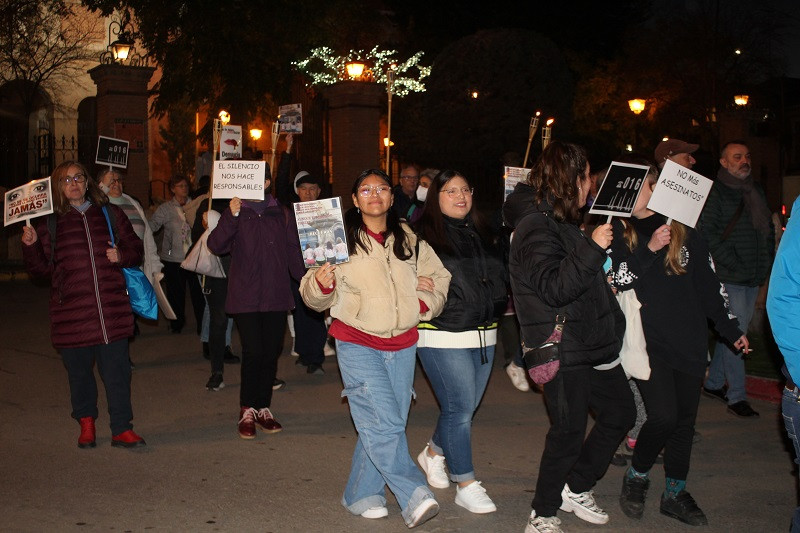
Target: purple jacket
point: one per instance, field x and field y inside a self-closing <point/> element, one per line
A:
<point x="265" y="254"/>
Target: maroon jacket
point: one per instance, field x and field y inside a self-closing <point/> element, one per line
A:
<point x="89" y="304"/>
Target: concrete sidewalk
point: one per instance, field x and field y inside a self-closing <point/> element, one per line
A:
<point x="196" y="474"/>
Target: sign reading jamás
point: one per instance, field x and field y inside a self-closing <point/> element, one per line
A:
<point x="33" y="199"/>
<point x="620" y="189"/>
<point x="112" y="152"/>
<point x="680" y="194"/>
<point x="238" y="178"/>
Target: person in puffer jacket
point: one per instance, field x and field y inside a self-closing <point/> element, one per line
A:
<point x="556" y="270"/>
<point x="90" y="312"/>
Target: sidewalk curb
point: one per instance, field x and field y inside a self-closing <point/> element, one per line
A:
<point x="770" y="390"/>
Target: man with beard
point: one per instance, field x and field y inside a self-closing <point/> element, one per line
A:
<point x="736" y="223"/>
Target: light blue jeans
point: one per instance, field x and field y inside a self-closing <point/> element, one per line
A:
<point x="207" y="323"/>
<point x="378" y="386"/>
<point x="725" y="364"/>
<point x="459" y="380"/>
<point x="790" y="408"/>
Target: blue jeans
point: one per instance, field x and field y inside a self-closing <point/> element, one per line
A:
<point x="378" y="386"/>
<point x="206" y="324"/>
<point x="725" y="364"/>
<point x="459" y="380"/>
<point x="790" y="407"/>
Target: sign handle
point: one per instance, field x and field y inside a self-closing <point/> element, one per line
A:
<point x="28" y="222"/>
<point x="608" y="220"/>
<point x="669" y="221"/>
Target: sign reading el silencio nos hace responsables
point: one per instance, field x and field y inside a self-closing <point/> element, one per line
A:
<point x="680" y="194"/>
<point x="238" y="178"/>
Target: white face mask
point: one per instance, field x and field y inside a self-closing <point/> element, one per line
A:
<point x="104" y="187"/>
<point x="422" y="193"/>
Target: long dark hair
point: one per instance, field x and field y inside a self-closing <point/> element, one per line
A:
<point x="93" y="192"/>
<point x="353" y="223"/>
<point x="431" y="225"/>
<point x="554" y="178"/>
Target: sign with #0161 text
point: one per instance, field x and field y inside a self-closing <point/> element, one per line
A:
<point x="680" y="194"/>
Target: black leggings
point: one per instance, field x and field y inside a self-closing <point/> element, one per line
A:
<point x="262" y="339"/>
<point x="671" y="398"/>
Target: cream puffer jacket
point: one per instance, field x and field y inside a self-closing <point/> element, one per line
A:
<point x="377" y="293"/>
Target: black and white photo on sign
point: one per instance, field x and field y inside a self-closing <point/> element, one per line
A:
<point x="290" y="118"/>
<point x="680" y="194"/>
<point x="620" y="188"/>
<point x="238" y="178"/>
<point x="320" y="226"/>
<point x="112" y="152"/>
<point x="230" y="142"/>
<point x="33" y="199"/>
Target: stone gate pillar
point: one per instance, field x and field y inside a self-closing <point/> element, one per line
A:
<point x="122" y="114"/>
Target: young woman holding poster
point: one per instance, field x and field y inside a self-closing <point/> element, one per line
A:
<point x="90" y="313"/>
<point x="669" y="267"/>
<point x="391" y="282"/>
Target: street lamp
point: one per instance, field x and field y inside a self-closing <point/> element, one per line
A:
<point x="255" y="134"/>
<point x="637" y="105"/>
<point x="741" y="99"/>
<point x="121" y="49"/>
<point x="357" y="71"/>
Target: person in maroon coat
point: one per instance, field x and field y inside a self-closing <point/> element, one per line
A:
<point x="90" y="312"/>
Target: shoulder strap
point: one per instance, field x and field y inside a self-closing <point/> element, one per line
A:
<point x="734" y="220"/>
<point x="109" y="215"/>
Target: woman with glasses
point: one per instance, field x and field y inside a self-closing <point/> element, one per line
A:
<point x="376" y="299"/>
<point x="90" y="313"/>
<point x="175" y="243"/>
<point x="558" y="274"/>
<point x="456" y="348"/>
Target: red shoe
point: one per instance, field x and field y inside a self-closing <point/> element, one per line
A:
<point x="267" y="422"/>
<point x="247" y="423"/>
<point x="87" y="437"/>
<point x="127" y="439"/>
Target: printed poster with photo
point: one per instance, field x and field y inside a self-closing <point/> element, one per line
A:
<point x="290" y="118"/>
<point x="34" y="199"/>
<point x="620" y="189"/>
<point x="230" y="142"/>
<point x="320" y="226"/>
<point x="512" y="176"/>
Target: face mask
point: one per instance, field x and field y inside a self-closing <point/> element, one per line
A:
<point x="104" y="187"/>
<point x="422" y="193"/>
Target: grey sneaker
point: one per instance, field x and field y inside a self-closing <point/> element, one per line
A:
<point x="543" y="524"/>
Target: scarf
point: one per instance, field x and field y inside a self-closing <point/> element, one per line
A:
<point x="754" y="204"/>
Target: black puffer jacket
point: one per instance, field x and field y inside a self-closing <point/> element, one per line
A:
<point x="478" y="291"/>
<point x="555" y="268"/>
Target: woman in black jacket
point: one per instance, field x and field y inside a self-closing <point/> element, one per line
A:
<point x="556" y="270"/>
<point x="457" y="347"/>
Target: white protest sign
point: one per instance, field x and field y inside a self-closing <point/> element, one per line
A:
<point x="680" y="194"/>
<point x="512" y="176"/>
<point x="230" y="142"/>
<point x="33" y="199"/>
<point x="238" y="178"/>
<point x="620" y="189"/>
<point x="290" y="118"/>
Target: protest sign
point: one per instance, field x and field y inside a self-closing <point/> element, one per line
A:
<point x="680" y="194"/>
<point x="112" y="152"/>
<point x="33" y="199"/>
<point x="290" y="118"/>
<point x="620" y="188"/>
<point x="238" y="178"/>
<point x="230" y="142"/>
<point x="512" y="176"/>
<point x="320" y="226"/>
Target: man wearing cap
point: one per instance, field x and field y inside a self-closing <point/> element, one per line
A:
<point x="307" y="326"/>
<point x="737" y="225"/>
<point x="676" y="150"/>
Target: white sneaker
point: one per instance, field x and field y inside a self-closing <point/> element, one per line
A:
<point x="424" y="512"/>
<point x="518" y="377"/>
<point x="473" y="498"/>
<point x="543" y="524"/>
<point x="376" y="512"/>
<point x="434" y="469"/>
<point x="583" y="505"/>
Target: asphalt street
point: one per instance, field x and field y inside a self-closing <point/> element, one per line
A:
<point x="196" y="474"/>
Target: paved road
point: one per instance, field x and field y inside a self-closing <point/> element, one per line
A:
<point x="197" y="475"/>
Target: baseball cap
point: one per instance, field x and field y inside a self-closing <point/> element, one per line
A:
<point x="672" y="147"/>
<point x="304" y="177"/>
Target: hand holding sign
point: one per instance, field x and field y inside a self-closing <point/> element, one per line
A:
<point x="660" y="238"/>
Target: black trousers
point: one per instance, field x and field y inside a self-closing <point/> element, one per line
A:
<point x="216" y="291"/>
<point x="310" y="332"/>
<point x="570" y="457"/>
<point x="671" y="399"/>
<point x="114" y="367"/>
<point x="262" y="339"/>
<point x="177" y="279"/>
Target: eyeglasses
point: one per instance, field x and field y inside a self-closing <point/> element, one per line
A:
<point x="115" y="180"/>
<point x="366" y="191"/>
<point x="77" y="178"/>
<point x="409" y="177"/>
<point x="455" y="191"/>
